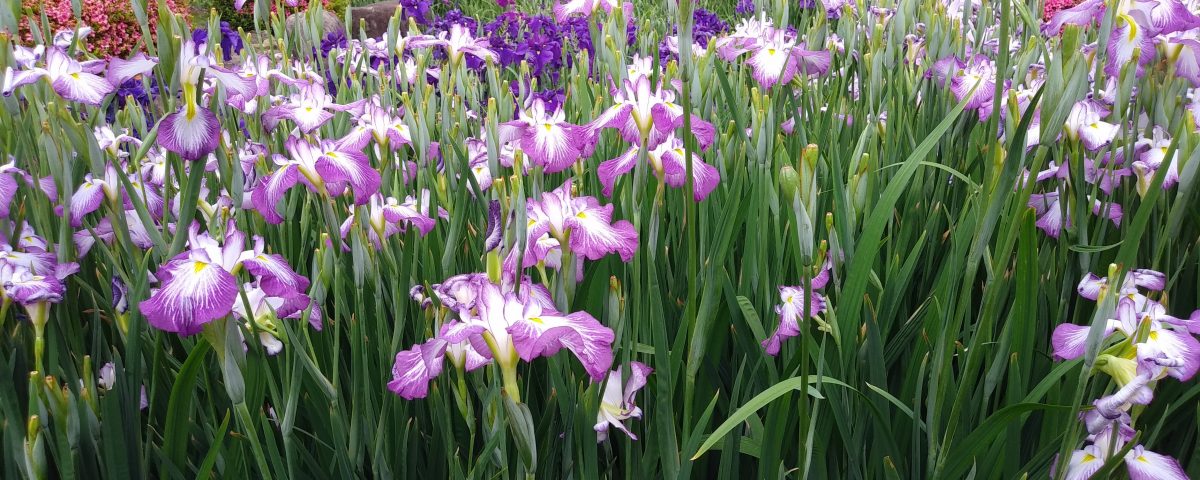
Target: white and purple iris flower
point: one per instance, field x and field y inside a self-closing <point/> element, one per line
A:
<point x="669" y="161"/>
<point x="580" y="223"/>
<point x="500" y="326"/>
<point x="777" y="57"/>
<point x="1168" y="347"/>
<point x="1053" y="216"/>
<point x="329" y="167"/>
<point x="587" y="8"/>
<point x="11" y="178"/>
<point x="794" y="303"/>
<point x="545" y="137"/>
<point x="1107" y="437"/>
<point x="458" y="42"/>
<point x="1151" y="155"/>
<point x="31" y="277"/>
<point x="379" y="124"/>
<point x="309" y="108"/>
<point x="1085" y="124"/>
<point x="72" y="80"/>
<point x="616" y="404"/>
<point x="977" y="72"/>
<point x="387" y="217"/>
<point x="265" y="310"/>
<point x="194" y="131"/>
<point x="200" y="284"/>
<point x="646" y="116"/>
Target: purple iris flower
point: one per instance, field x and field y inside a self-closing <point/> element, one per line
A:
<point x="328" y="167"/>
<point x="582" y="223"/>
<point x="744" y="7"/>
<point x="199" y="286"/>
<point x="617" y="405"/>
<point x="545" y="137"/>
<point x="792" y="307"/>
<point x="501" y="327"/>
<point x="669" y="161"/>
<point x="231" y="41"/>
<point x="69" y="78"/>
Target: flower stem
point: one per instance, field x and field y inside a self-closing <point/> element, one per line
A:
<point x="243" y="414"/>
<point x="511" y="388"/>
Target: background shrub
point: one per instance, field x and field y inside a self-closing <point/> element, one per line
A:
<point x="115" y="30"/>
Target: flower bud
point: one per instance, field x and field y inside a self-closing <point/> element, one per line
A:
<point x="789" y="183"/>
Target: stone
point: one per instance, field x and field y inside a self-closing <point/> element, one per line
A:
<point x="375" y="17"/>
<point x="330" y="22"/>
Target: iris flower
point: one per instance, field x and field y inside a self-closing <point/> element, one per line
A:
<point x="545" y="137"/>
<point x="326" y="167"/>
<point x="976" y="72"/>
<point x="1052" y="217"/>
<point x="1170" y="347"/>
<point x="587" y="8"/>
<point x="777" y="58"/>
<point x="1103" y="443"/>
<point x="377" y="123"/>
<point x="1085" y="124"/>
<point x="120" y="70"/>
<point x="792" y="307"/>
<point x="309" y="108"/>
<point x="266" y="310"/>
<point x="67" y="76"/>
<point x="1152" y="153"/>
<point x="194" y="131"/>
<point x="387" y="217"/>
<point x="617" y="404"/>
<point x="582" y="223"/>
<point x="670" y="165"/>
<point x="500" y="326"/>
<point x="646" y="116"/>
<point x="1127" y="37"/>
<point x="458" y="42"/>
<point x="199" y="285"/>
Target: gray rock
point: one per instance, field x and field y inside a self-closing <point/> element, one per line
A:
<point x="375" y="16"/>
<point x="296" y="26"/>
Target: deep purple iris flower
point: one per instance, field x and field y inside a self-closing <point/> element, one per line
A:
<point x="231" y="41"/>
<point x="706" y="25"/>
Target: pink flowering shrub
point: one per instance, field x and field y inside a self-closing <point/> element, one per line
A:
<point x="114" y="28"/>
<point x="1054" y="6"/>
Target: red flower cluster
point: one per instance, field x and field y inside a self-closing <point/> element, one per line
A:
<point x="1054" y="6"/>
<point x="114" y="28"/>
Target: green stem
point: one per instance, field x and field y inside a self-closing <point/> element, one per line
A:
<point x="511" y="387"/>
<point x="39" y="346"/>
<point x="244" y="418"/>
<point x="187" y="211"/>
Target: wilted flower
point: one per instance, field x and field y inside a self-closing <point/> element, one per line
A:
<point x="617" y="405"/>
<point x="795" y="301"/>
